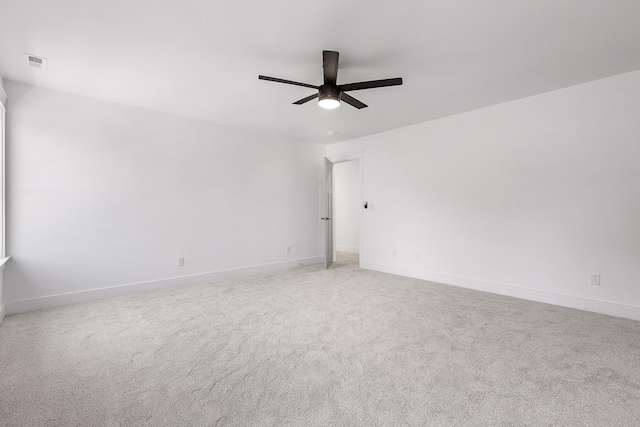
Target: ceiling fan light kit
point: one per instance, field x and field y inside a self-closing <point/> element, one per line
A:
<point x="329" y="97"/>
<point x="330" y="93"/>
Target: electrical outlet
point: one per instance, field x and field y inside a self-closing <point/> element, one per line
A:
<point x="180" y="261"/>
<point x="594" y="279"/>
<point x="395" y="253"/>
<point x="417" y="256"/>
<point x="288" y="249"/>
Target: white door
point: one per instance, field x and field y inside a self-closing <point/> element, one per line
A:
<point x="327" y="211"/>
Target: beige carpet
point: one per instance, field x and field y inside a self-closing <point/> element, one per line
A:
<point x="308" y="347"/>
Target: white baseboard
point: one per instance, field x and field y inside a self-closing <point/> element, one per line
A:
<point x="32" y="304"/>
<point x="3" y="313"/>
<point x="347" y="249"/>
<point x="580" y="303"/>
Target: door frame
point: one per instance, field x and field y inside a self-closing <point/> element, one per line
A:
<point x="347" y="157"/>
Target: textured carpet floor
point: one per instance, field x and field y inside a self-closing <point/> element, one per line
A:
<point x="308" y="347"/>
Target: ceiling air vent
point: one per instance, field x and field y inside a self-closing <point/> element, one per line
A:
<point x="36" y="61"/>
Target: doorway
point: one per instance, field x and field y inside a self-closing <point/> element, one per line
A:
<point x="347" y="211"/>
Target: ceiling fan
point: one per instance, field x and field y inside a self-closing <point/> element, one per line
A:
<point x="330" y="93"/>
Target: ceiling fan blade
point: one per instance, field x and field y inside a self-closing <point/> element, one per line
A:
<point x="289" y="82"/>
<point x="352" y="101"/>
<point x="307" y="99"/>
<point x="330" y="65"/>
<point x="372" y="84"/>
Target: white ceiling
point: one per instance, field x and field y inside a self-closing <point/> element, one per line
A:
<point x="201" y="58"/>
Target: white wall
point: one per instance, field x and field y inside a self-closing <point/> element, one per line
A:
<point x="102" y="195"/>
<point x="347" y="209"/>
<point x="3" y="98"/>
<point x="524" y="198"/>
<point x="3" y="94"/>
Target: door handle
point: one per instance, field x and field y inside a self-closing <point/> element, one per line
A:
<point x="325" y="219"/>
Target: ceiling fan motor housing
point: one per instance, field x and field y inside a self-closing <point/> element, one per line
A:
<point x="329" y="92"/>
